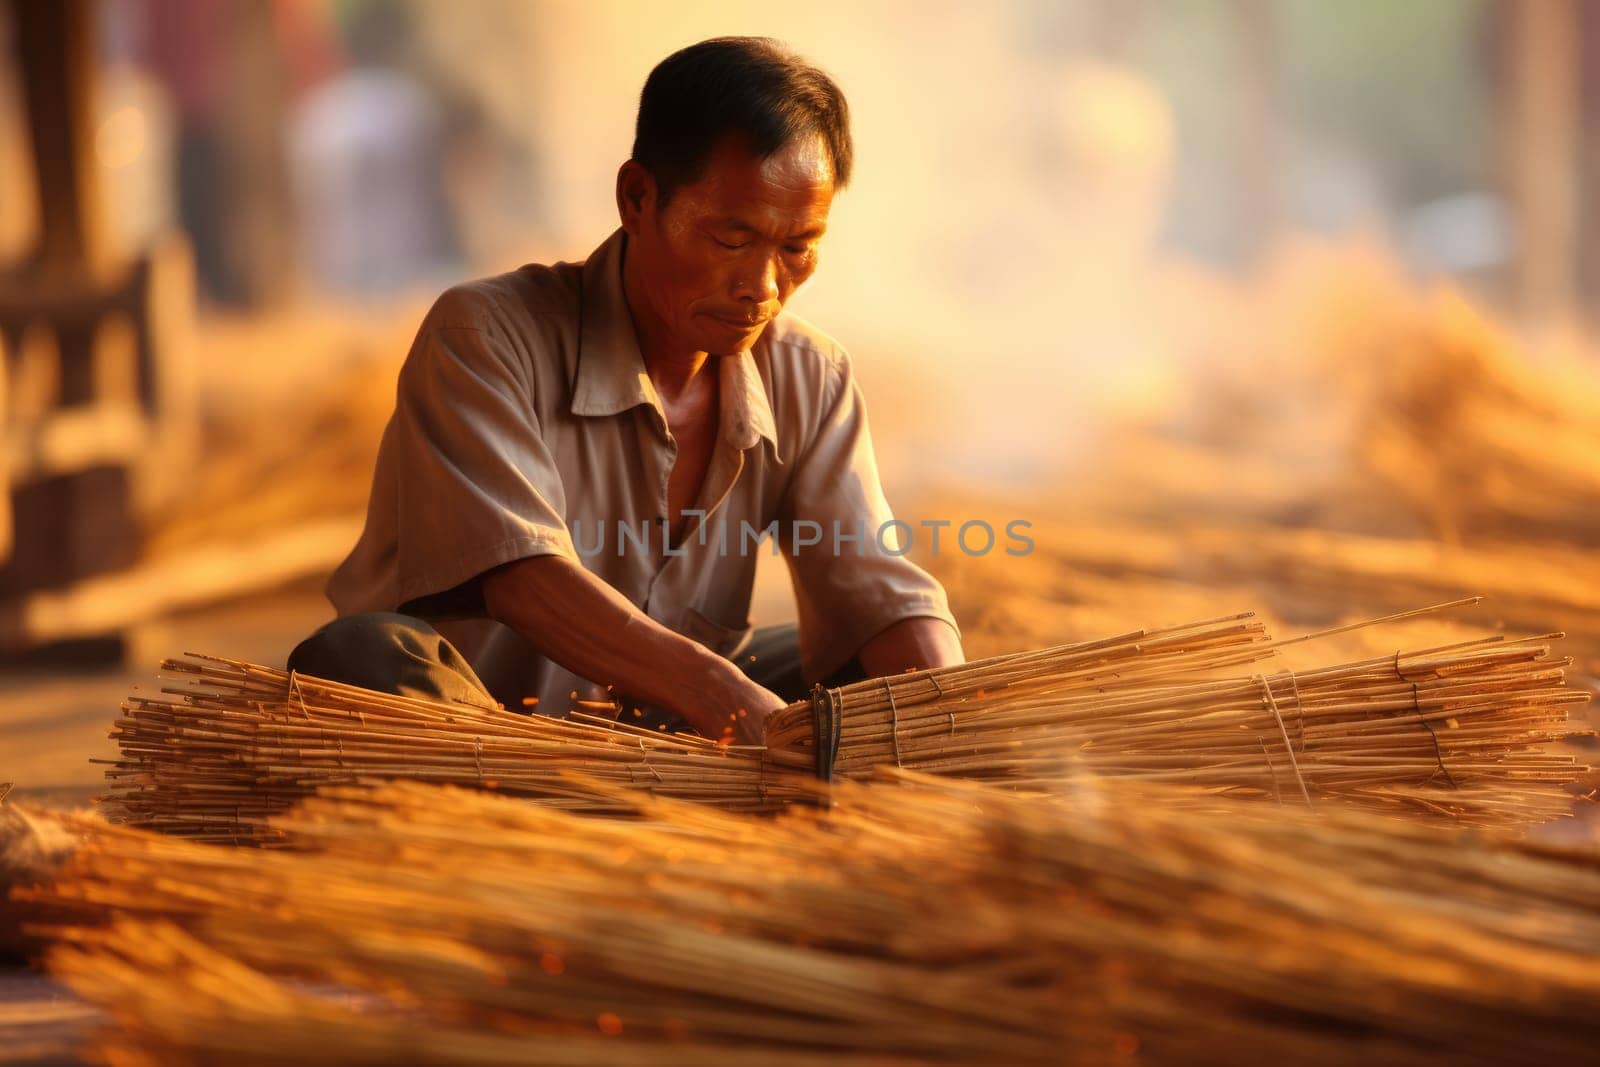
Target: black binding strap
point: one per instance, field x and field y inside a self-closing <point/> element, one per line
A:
<point x="826" y="724"/>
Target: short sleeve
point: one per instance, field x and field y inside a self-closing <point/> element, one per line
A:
<point x="850" y="584"/>
<point x="476" y="485"/>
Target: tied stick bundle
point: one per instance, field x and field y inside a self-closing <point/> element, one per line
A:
<point x="915" y="920"/>
<point x="243" y="742"/>
<point x="1456" y="732"/>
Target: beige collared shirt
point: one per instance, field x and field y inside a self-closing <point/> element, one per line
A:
<point x="525" y="425"/>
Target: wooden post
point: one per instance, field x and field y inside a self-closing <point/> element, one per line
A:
<point x="55" y="43"/>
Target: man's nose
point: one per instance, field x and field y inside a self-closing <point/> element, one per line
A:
<point x="758" y="280"/>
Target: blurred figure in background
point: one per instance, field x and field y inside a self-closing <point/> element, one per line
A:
<point x="367" y="151"/>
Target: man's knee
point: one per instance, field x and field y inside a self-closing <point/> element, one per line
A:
<point x="358" y="638"/>
<point x="390" y="653"/>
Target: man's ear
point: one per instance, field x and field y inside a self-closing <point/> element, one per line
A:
<point x="636" y="194"/>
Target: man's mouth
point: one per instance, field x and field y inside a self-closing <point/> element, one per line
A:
<point x="739" y="323"/>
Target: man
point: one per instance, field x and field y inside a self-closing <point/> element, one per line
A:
<point x="578" y="451"/>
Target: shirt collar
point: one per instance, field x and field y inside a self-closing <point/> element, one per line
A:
<point x="746" y="412"/>
<point x="611" y="376"/>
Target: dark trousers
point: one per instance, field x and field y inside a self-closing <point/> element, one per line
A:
<point x="401" y="654"/>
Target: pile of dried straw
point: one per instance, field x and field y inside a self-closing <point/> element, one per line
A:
<point x="915" y="921"/>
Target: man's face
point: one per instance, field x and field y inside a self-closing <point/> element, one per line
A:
<point x="720" y="259"/>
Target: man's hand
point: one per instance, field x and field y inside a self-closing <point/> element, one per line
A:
<point x="585" y="625"/>
<point x="735" y="709"/>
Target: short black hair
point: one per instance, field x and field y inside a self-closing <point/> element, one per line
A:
<point x="753" y="87"/>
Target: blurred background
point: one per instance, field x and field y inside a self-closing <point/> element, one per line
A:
<point x="1274" y="303"/>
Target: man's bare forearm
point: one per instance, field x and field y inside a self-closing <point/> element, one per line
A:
<point x="580" y="622"/>
<point x="911" y="645"/>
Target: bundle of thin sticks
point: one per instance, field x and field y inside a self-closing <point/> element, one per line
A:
<point x="214" y="759"/>
<point x="917" y="920"/>
<point x="1457" y="732"/>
